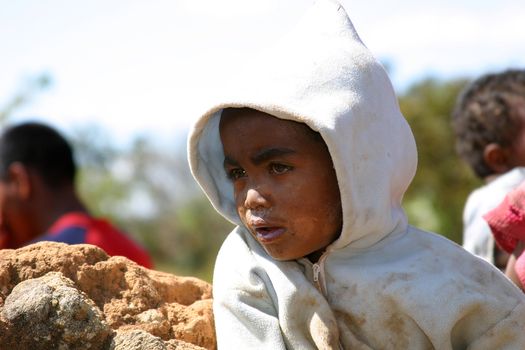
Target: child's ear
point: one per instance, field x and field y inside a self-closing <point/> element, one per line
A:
<point x="19" y="180"/>
<point x="497" y="158"/>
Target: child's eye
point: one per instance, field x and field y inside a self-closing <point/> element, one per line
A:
<point x="236" y="173"/>
<point x="276" y="168"/>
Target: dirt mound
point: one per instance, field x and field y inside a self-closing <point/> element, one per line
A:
<point x="59" y="296"/>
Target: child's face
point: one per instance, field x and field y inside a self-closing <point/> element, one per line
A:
<point x="284" y="183"/>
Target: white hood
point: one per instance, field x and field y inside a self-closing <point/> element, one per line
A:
<point x="323" y="75"/>
<point x="383" y="284"/>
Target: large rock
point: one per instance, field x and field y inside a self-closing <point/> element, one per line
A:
<point x="52" y="314"/>
<point x="59" y="296"/>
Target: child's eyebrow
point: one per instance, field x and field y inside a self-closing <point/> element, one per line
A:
<point x="270" y="153"/>
<point x="229" y="162"/>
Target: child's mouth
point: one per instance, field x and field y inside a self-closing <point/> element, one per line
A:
<point x="268" y="234"/>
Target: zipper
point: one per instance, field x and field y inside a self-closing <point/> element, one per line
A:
<point x="318" y="274"/>
<point x="316" y="270"/>
<point x="318" y="277"/>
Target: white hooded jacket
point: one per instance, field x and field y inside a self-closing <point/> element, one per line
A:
<point x="382" y="284"/>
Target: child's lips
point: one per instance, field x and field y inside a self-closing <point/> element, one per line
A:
<point x="268" y="234"/>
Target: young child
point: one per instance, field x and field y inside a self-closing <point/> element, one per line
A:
<point x="489" y="122"/>
<point x="310" y="156"/>
<point x="507" y="223"/>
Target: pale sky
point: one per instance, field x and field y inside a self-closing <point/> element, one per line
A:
<point x="139" y="67"/>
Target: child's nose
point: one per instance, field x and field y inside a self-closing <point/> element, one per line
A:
<point x="255" y="199"/>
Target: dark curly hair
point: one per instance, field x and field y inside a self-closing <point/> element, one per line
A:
<point x="485" y="113"/>
<point x="41" y="148"/>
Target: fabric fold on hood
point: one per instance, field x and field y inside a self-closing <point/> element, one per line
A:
<point x="321" y="74"/>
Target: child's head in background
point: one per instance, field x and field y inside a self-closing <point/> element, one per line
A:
<point x="489" y="122"/>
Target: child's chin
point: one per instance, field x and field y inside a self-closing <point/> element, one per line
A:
<point x="282" y="257"/>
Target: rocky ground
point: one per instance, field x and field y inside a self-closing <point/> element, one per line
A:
<point x="58" y="296"/>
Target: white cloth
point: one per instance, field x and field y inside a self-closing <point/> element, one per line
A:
<point x="382" y="284"/>
<point x="477" y="237"/>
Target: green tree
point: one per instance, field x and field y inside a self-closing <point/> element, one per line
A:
<point x="443" y="181"/>
<point x="150" y="193"/>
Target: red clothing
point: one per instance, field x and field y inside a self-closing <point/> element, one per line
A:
<point x="78" y="227"/>
<point x="507" y="223"/>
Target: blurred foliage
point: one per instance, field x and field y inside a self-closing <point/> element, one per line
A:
<point x="147" y="189"/>
<point x="150" y="193"/>
<point x="437" y="195"/>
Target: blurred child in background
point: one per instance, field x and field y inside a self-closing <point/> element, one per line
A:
<point x="489" y="123"/>
<point x="38" y="199"/>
